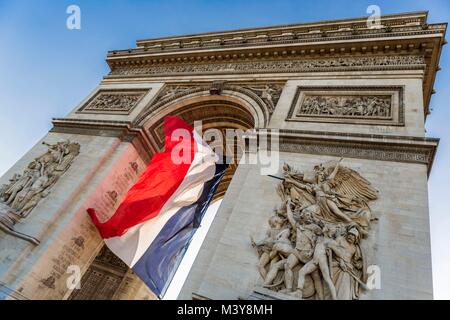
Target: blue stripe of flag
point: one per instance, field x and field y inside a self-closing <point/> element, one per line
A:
<point x="161" y="260"/>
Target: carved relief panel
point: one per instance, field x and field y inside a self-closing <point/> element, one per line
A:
<point x="114" y="101"/>
<point x="26" y="190"/>
<point x="313" y="247"/>
<point x="355" y="105"/>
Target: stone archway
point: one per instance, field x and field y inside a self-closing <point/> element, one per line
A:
<point x="236" y="110"/>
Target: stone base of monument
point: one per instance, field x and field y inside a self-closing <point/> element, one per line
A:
<point x="261" y="293"/>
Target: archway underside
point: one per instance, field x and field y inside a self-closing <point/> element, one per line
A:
<point x="214" y="114"/>
<point x="104" y="277"/>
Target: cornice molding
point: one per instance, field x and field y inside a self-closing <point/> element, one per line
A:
<point x="307" y="64"/>
<point x="203" y="54"/>
<point x="372" y="147"/>
<point x="364" y="146"/>
<point x="122" y="130"/>
<point x="316" y="38"/>
<point x="392" y="26"/>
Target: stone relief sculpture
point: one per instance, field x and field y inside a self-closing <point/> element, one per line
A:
<point x="272" y="66"/>
<point x="24" y="191"/>
<point x="312" y="249"/>
<point x="111" y="101"/>
<point x="346" y="106"/>
<point x="269" y="93"/>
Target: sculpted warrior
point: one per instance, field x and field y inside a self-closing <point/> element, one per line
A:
<point x="346" y="267"/>
<point x="341" y="193"/>
<point x="328" y="214"/>
<point x="306" y="232"/>
<point x="24" y="192"/>
<point x="277" y="233"/>
<point x="267" y="93"/>
<point x="324" y="196"/>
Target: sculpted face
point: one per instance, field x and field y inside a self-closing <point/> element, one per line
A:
<point x="320" y="173"/>
<point x="330" y="231"/>
<point x="351" y="238"/>
<point x="275" y="222"/>
<point x="306" y="217"/>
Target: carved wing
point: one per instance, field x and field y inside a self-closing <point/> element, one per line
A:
<point x="348" y="182"/>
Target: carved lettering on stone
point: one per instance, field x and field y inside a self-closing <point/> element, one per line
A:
<point x="79" y="241"/>
<point x="49" y="282"/>
<point x="313" y="247"/>
<point x="135" y="167"/>
<point x="26" y="190"/>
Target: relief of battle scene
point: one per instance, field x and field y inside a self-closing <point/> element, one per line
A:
<point x="376" y="106"/>
<point x="24" y="191"/>
<point x="312" y="249"/>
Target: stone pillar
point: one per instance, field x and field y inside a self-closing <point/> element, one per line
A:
<point x="388" y="149"/>
<point x="109" y="161"/>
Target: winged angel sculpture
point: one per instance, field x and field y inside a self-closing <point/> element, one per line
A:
<point x="312" y="249"/>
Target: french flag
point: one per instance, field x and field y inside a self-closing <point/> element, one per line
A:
<point x="152" y="227"/>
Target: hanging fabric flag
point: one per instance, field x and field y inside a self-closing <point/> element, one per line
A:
<point x="152" y="227"/>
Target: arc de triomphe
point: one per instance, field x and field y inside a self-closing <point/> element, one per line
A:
<point x="330" y="90"/>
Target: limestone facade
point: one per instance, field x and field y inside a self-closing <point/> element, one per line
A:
<point x="242" y="79"/>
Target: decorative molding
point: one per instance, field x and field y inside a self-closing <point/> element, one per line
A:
<point x="351" y="145"/>
<point x="384" y="148"/>
<point x="401" y="25"/>
<point x="400" y="34"/>
<point x="106" y="128"/>
<point x="103" y="279"/>
<point x="374" y="105"/>
<point x="271" y="66"/>
<point x="8" y="293"/>
<point x="266" y="95"/>
<point x="114" y="101"/>
<point x="269" y="93"/>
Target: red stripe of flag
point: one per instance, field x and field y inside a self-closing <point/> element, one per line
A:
<point x="154" y="187"/>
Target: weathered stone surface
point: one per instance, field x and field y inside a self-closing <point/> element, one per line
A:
<point x="246" y="82"/>
<point x="400" y="254"/>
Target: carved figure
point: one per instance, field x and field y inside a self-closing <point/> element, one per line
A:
<point x="25" y="191"/>
<point x="346" y="106"/>
<point x="318" y="251"/>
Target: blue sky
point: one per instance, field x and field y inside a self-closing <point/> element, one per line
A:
<point x="46" y="69"/>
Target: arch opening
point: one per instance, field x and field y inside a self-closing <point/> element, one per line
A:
<point x="105" y="276"/>
<point x="229" y="116"/>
